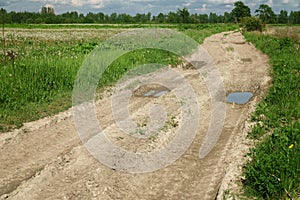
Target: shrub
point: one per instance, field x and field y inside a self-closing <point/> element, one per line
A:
<point x="252" y="24"/>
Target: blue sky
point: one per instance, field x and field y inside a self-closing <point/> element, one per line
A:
<point x="143" y="6"/>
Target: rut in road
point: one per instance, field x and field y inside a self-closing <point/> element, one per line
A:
<point x="46" y="159"/>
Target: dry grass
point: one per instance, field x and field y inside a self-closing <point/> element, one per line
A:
<point x="292" y="32"/>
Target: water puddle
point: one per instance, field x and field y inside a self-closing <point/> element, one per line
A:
<point x="239" y="97"/>
<point x="154" y="93"/>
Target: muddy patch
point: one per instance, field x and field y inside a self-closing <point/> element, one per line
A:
<point x="246" y="60"/>
<point x="151" y="90"/>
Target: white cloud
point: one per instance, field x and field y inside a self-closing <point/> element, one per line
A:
<point x="187" y="4"/>
<point x="76" y="3"/>
<point x="49" y="5"/>
<point x="202" y="9"/>
<point x="270" y="2"/>
<point x="222" y="1"/>
<point x="143" y="6"/>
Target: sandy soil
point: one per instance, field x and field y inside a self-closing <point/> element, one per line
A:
<point x="46" y="159"/>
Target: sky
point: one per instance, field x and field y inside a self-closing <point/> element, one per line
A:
<point x="143" y="6"/>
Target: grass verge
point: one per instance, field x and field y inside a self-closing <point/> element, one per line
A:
<point x="273" y="171"/>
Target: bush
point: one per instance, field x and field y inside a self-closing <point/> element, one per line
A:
<point x="252" y="24"/>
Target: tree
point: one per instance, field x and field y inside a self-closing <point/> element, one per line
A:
<point x="172" y="17"/>
<point x="266" y="14"/>
<point x="149" y="16"/>
<point x="113" y="17"/>
<point x="140" y="18"/>
<point x="203" y="18"/>
<point x="101" y="17"/>
<point x="228" y="17"/>
<point x="90" y="18"/>
<point x="213" y="18"/>
<point x="125" y="18"/>
<point x="160" y="18"/>
<point x="194" y="18"/>
<point x="283" y="17"/>
<point x="295" y="17"/>
<point x="184" y="15"/>
<point x="47" y="10"/>
<point x="240" y="11"/>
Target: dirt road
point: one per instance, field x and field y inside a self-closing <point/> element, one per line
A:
<point x="46" y="159"/>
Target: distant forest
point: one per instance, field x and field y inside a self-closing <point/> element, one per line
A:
<point x="47" y="16"/>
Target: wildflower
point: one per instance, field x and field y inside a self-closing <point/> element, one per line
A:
<point x="291" y="146"/>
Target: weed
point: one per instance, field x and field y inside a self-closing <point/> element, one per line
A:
<point x="230" y="49"/>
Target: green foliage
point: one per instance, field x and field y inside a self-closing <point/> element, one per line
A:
<point x="47" y="16"/>
<point x="294" y="17"/>
<point x="183" y="15"/>
<point x="240" y="10"/>
<point x="130" y="60"/>
<point x="283" y="17"/>
<point x="275" y="166"/>
<point x="39" y="81"/>
<point x="266" y="14"/>
<point x="251" y="24"/>
<point x="273" y="172"/>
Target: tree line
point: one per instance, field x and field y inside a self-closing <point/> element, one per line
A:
<point x="47" y="15"/>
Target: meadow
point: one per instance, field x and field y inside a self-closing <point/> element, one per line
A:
<point x="273" y="171"/>
<point x="40" y="62"/>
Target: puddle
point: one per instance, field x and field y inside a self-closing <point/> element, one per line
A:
<point x="239" y="97"/>
<point x="151" y="90"/>
<point x="158" y="94"/>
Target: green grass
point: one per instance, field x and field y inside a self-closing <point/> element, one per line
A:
<point x="274" y="169"/>
<point x="118" y="26"/>
<point x="39" y="81"/>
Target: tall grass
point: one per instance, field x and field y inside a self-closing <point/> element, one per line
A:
<point x="39" y="81"/>
<point x="274" y="169"/>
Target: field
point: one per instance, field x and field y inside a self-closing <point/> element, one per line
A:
<point x="38" y="82"/>
<point x="46" y="159"/>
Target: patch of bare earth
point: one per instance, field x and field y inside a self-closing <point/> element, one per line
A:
<point x="46" y="159"/>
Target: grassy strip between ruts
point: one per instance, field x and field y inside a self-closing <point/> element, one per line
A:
<point x="273" y="171"/>
<point x="39" y="81"/>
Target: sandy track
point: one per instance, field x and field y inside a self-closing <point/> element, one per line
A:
<point x="46" y="159"/>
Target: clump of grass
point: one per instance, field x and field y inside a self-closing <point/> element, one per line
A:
<point x="230" y="49"/>
<point x="273" y="172"/>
